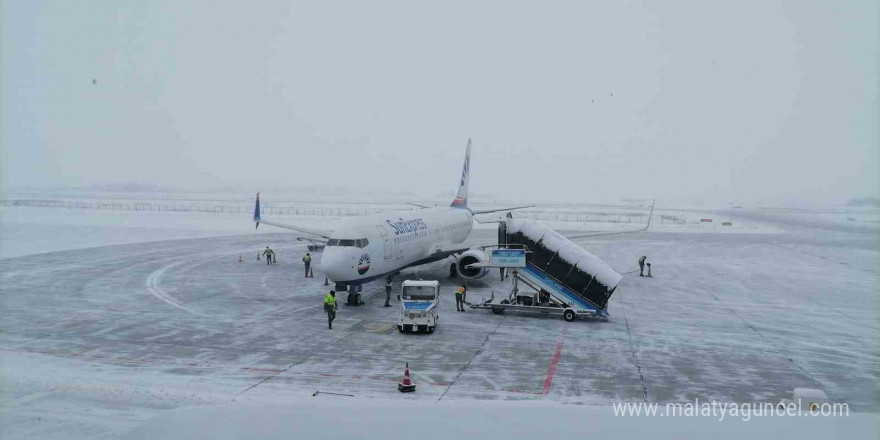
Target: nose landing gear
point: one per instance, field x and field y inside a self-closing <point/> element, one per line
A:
<point x="354" y="296"/>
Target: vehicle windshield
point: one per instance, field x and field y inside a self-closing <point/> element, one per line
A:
<point x="420" y="293"/>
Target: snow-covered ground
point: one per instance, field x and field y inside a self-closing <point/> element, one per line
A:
<point x="334" y="417"/>
<point x="94" y="341"/>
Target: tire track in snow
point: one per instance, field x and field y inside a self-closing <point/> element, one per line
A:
<point x="634" y="353"/>
<point x="350" y="332"/>
<point x="816" y="382"/>
<point x="477" y="353"/>
<point x="152" y="284"/>
<point x="155" y="278"/>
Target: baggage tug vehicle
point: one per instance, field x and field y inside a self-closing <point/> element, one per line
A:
<point x="418" y="306"/>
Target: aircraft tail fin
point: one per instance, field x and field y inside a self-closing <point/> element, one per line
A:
<point x="461" y="197"/>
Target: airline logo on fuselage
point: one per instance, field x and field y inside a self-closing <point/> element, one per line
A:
<point x="364" y="264"/>
<point x="404" y="226"/>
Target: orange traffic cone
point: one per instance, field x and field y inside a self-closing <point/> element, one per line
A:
<point x="239" y="258"/>
<point x="258" y="255"/>
<point x="406" y="386"/>
<point x="326" y="281"/>
<point x="649" y="271"/>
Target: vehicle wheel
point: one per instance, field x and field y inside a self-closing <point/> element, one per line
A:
<point x="430" y="330"/>
<point x="400" y="328"/>
<point x="497" y="310"/>
<point x="569" y="315"/>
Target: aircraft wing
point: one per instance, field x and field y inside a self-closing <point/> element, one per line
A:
<point x="447" y="250"/>
<point x="473" y="211"/>
<point x="312" y="240"/>
<point x="598" y="234"/>
<point x="419" y="205"/>
<point x="320" y="234"/>
<point x="489" y="211"/>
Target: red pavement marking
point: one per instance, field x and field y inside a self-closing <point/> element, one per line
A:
<point x="384" y="379"/>
<point x="548" y="380"/>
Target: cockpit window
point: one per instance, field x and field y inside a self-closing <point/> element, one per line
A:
<point x="360" y="243"/>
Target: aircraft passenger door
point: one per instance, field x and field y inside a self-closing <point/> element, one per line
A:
<point x="384" y="234"/>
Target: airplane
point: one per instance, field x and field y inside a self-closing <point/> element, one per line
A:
<point x="381" y="245"/>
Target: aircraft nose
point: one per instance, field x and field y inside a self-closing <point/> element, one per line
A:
<point x="335" y="264"/>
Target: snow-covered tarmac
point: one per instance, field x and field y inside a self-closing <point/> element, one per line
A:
<point x="96" y="341"/>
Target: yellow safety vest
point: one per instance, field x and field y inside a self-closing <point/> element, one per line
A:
<point x="330" y="300"/>
<point x="459" y="291"/>
<point x="307" y="258"/>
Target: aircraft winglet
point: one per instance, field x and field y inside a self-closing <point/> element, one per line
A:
<point x="257" y="218"/>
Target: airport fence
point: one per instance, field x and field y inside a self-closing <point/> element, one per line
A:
<point x="317" y="211"/>
<point x="329" y="211"/>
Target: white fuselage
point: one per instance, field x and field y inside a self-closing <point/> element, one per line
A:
<point x="383" y="244"/>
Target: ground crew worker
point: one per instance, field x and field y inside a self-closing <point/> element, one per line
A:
<point x="543" y="296"/>
<point x="642" y="266"/>
<point x="459" y="298"/>
<point x="388" y="292"/>
<point x="307" y="260"/>
<point x="330" y="308"/>
<point x="268" y="253"/>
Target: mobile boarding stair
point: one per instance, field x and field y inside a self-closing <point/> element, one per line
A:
<point x="550" y="273"/>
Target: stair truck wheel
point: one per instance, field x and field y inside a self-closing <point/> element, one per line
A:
<point x="499" y="310"/>
<point x="569" y="315"/>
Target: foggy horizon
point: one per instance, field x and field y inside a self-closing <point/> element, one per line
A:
<point x="748" y="102"/>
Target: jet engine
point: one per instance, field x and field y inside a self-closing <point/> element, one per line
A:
<point x="470" y="257"/>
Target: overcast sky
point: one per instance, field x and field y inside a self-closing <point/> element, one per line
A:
<point x="580" y="100"/>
